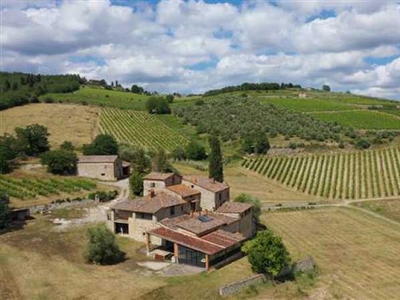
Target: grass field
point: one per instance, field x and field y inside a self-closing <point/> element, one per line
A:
<point x="64" y="122"/>
<point x="40" y="263"/>
<point x="392" y="112"/>
<point x="386" y="208"/>
<point x="309" y="105"/>
<point x="101" y="97"/>
<point x="139" y="128"/>
<point x="351" y="175"/>
<point x="364" y="119"/>
<point x="356" y="254"/>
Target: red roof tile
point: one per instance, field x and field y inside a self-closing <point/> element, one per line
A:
<point x="223" y="238"/>
<point x="192" y="223"/>
<point x="97" y="158"/>
<point x="208" y="184"/>
<point x="233" y="207"/>
<point x="183" y="190"/>
<point x="158" y="176"/>
<point x="149" y="204"/>
<point x="186" y="240"/>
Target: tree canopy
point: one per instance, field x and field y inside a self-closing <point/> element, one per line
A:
<point x="101" y="246"/>
<point x="33" y="139"/>
<point x="267" y="253"/>
<point x="103" y="144"/>
<point x="60" y="162"/>
<point x="195" y="151"/>
<point x="158" y="105"/>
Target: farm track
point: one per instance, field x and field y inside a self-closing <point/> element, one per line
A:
<point x="335" y="176"/>
<point x="345" y="203"/>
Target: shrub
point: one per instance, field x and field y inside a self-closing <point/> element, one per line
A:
<point x="60" y="162"/>
<point x="48" y="99"/>
<point x="199" y="102"/>
<point x="67" y="146"/>
<point x="101" y="247"/>
<point x="267" y="253"/>
<point x="362" y="144"/>
<point x="157" y="105"/>
<point x="246" y="198"/>
<point x="195" y="151"/>
<point x="178" y="154"/>
<point x="103" y="144"/>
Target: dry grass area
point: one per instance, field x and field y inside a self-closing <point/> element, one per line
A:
<point x="245" y="181"/>
<point x="357" y="254"/>
<point x="75" y="123"/>
<point x="388" y="208"/>
<point x="38" y="263"/>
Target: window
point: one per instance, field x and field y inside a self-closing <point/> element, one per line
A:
<point x="192" y="186"/>
<point x="172" y="210"/>
<point x="144" y="216"/>
<point x="103" y="174"/>
<point x="220" y="196"/>
<point x="152" y="184"/>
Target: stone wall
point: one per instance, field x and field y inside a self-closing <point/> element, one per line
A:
<point x="238" y="286"/>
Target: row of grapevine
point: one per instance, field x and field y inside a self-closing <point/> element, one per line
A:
<point x="31" y="188"/>
<point x="351" y="175"/>
<point x="139" y="128"/>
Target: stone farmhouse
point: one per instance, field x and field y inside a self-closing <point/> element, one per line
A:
<point x="103" y="167"/>
<point x="187" y="220"/>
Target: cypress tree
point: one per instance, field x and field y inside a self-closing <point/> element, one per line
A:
<point x="215" y="169"/>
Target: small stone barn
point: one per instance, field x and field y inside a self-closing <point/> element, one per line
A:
<point x="104" y="167"/>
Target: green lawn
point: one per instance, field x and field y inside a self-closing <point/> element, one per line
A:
<point x="363" y="119"/>
<point x="101" y="97"/>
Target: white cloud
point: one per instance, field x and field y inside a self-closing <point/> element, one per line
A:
<point x="257" y="41"/>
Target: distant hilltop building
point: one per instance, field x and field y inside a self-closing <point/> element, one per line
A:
<point x="103" y="167"/>
<point x="187" y="220"/>
<point x="302" y="95"/>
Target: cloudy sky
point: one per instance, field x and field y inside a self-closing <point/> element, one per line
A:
<point x="194" y="46"/>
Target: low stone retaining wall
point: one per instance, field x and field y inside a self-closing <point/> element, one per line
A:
<point x="51" y="206"/>
<point x="237" y="286"/>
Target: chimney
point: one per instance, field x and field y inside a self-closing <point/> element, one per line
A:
<point x="152" y="193"/>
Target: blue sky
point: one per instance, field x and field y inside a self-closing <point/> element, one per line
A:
<point x="194" y="45"/>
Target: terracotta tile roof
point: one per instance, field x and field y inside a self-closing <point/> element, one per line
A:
<point x="208" y="184"/>
<point x="158" y="176"/>
<point x="233" y="207"/>
<point x="200" y="227"/>
<point x="223" y="238"/>
<point x="186" y="240"/>
<point x="97" y="158"/>
<point x="172" y="223"/>
<point x="149" y="204"/>
<point x="183" y="190"/>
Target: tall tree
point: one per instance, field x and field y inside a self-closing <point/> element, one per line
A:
<point x="215" y="169"/>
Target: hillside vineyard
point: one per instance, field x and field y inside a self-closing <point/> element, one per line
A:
<point x="352" y="175"/>
<point x="139" y="128"/>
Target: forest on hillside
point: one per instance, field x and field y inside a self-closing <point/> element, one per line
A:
<point x="20" y="88"/>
